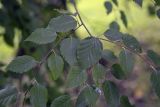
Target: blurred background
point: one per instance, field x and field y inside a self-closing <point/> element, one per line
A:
<point x="18" y="18"/>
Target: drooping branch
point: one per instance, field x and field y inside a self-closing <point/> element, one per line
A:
<point x="144" y="58"/>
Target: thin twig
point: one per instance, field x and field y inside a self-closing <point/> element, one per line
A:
<point x="151" y="65"/>
<point x="43" y="60"/>
<point x="75" y="6"/>
<point x="52" y="50"/>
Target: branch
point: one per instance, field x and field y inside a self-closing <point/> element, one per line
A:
<point x="148" y="62"/>
<point x="52" y="50"/>
<point x="75" y="6"/>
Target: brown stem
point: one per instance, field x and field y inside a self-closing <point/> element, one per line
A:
<point x="75" y="6"/>
<point x="144" y="58"/>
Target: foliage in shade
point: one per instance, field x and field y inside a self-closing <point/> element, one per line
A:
<point x="108" y="6"/>
<point x="114" y="25"/>
<point x="86" y="63"/>
<point x="68" y="49"/>
<point x="115" y="2"/>
<point x="62" y="101"/>
<point x="62" y="23"/>
<point x="22" y="64"/>
<point x="139" y="2"/>
<point x="113" y="34"/>
<point x="87" y="98"/>
<point x="124" y="18"/>
<point x="157" y="2"/>
<point x="89" y="52"/>
<point x="124" y="102"/>
<point x="38" y="96"/>
<point x="55" y="65"/>
<point x="109" y="56"/>
<point x="154" y="57"/>
<point x="111" y="94"/>
<point x="118" y="72"/>
<point x="42" y="36"/>
<point x="76" y="77"/>
<point x="8" y="95"/>
<point x="127" y="61"/>
<point x="158" y="13"/>
<point x="155" y="81"/>
<point x="131" y="43"/>
<point x="98" y="72"/>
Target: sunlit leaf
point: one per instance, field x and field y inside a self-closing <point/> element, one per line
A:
<point x="38" y="96"/>
<point x="127" y="61"/>
<point x="87" y="98"/>
<point x="22" y="64"/>
<point x="132" y="43"/>
<point x="8" y="95"/>
<point x="111" y="94"/>
<point x="89" y="52"/>
<point x="68" y="49"/>
<point x="42" y="36"/>
<point x="55" y="64"/>
<point x="62" y="23"/>
<point x="76" y="77"/>
<point x="62" y="101"/>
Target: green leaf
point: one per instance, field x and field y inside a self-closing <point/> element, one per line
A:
<point x="8" y="95"/>
<point x="22" y="64"/>
<point x="55" y="65"/>
<point x="132" y="43"/>
<point x="139" y="2"/>
<point x="62" y="101"/>
<point x="114" y="25"/>
<point x="109" y="56"/>
<point x="157" y="2"/>
<point x="9" y="35"/>
<point x="68" y="49"/>
<point x="125" y="102"/>
<point x="111" y="93"/>
<point x="127" y="61"/>
<point x="108" y="6"/>
<point x="118" y="72"/>
<point x="113" y="35"/>
<point x="42" y="36"/>
<point x="87" y="98"/>
<point x="154" y="57"/>
<point x="76" y="77"/>
<point x="124" y="18"/>
<point x="155" y="81"/>
<point x="62" y="23"/>
<point x="89" y="52"/>
<point x="38" y="96"/>
<point x="158" y="13"/>
<point x="98" y="72"/>
<point x="115" y="2"/>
